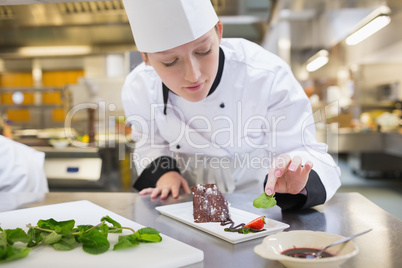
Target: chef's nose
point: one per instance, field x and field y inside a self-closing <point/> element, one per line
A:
<point x="192" y="70"/>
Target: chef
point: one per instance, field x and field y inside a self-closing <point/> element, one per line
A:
<point x="205" y="109"/>
<point x="21" y="168"/>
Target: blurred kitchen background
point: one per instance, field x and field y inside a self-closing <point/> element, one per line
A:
<point x="63" y="63"/>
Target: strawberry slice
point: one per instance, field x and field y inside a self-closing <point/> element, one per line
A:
<point x="257" y="224"/>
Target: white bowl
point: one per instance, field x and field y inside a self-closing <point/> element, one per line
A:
<point x="59" y="144"/>
<point x="273" y="245"/>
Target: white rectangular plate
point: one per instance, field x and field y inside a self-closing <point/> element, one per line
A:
<point x="168" y="253"/>
<point x="184" y="212"/>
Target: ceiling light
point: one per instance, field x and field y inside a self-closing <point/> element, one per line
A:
<point x="369" y="29"/>
<point x="317" y="61"/>
<point x="244" y="19"/>
<point x="54" y="50"/>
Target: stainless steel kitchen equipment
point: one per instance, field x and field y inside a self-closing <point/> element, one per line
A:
<point x="81" y="169"/>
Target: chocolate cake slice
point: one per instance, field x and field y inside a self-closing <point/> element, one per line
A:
<point x="209" y="205"/>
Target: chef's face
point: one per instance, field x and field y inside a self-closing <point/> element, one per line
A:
<point x="190" y="69"/>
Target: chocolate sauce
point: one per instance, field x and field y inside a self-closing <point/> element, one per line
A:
<point x="305" y="253"/>
<point x="232" y="227"/>
<point x="238" y="228"/>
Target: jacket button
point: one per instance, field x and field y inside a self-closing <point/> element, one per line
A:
<point x="177" y="146"/>
<point x="222" y="105"/>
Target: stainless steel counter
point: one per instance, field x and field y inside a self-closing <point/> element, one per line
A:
<point x="344" y="214"/>
<point x="393" y="144"/>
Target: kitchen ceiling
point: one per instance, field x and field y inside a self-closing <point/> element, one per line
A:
<point x="103" y="25"/>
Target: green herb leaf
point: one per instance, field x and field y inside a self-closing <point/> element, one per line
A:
<point x="11" y="253"/>
<point x="34" y="237"/>
<point x="115" y="224"/>
<point x="51" y="238"/>
<point x="246" y="230"/>
<point x="126" y="241"/>
<point x="148" y="234"/>
<point x="94" y="242"/>
<point x="63" y="227"/>
<point x="3" y="240"/>
<point x="105" y="230"/>
<point x="83" y="228"/>
<point x="66" y="243"/>
<point x="62" y="235"/>
<point x="243" y="230"/>
<point x="16" y="235"/>
<point x="264" y="201"/>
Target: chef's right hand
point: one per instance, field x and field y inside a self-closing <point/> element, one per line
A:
<point x="288" y="175"/>
<point x="170" y="182"/>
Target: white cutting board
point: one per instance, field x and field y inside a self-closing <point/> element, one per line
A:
<point x="168" y="253"/>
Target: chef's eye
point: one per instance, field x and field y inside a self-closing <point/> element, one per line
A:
<point x="168" y="64"/>
<point x="203" y="53"/>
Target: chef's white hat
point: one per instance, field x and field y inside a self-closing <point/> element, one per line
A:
<point x="159" y="25"/>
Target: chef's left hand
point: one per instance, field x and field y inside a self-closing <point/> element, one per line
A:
<point x="287" y="175"/>
<point x="169" y="183"/>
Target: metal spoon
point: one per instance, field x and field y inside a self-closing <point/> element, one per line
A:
<point x="343" y="240"/>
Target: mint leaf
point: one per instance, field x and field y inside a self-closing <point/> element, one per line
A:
<point x="16" y="235"/>
<point x="66" y="243"/>
<point x="126" y="241"/>
<point x="115" y="224"/>
<point x="3" y="240"/>
<point x="246" y="230"/>
<point x="51" y="238"/>
<point x="83" y="228"/>
<point x="34" y="237"/>
<point x="148" y="234"/>
<point x="264" y="201"/>
<point x="11" y="253"/>
<point x="63" y="227"/>
<point x="62" y="235"/>
<point x="105" y="230"/>
<point x="94" y="242"/>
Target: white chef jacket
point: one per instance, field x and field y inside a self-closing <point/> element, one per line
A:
<point x="257" y="112"/>
<point x="21" y="168"/>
